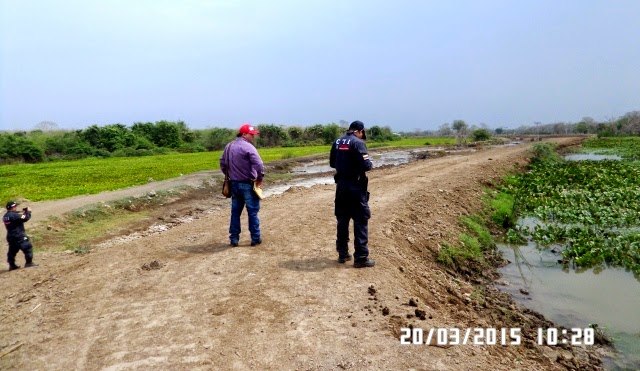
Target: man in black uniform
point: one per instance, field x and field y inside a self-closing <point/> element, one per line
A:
<point x="350" y="159"/>
<point x="16" y="236"/>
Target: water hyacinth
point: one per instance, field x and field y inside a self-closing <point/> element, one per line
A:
<point x="592" y="207"/>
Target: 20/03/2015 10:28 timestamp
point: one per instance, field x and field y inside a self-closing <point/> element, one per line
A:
<point x="494" y="336"/>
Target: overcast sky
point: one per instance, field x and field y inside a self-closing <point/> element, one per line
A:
<point x="406" y="64"/>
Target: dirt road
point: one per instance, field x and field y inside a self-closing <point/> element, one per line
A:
<point x="184" y="299"/>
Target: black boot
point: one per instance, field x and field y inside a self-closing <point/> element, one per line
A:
<point x="343" y="259"/>
<point x="365" y="263"/>
<point x="30" y="264"/>
<point x="13" y="266"/>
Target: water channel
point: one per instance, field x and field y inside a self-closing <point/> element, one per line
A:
<point x="321" y="168"/>
<point x="608" y="297"/>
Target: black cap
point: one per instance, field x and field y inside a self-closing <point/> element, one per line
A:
<point x="357" y="126"/>
<point x="11" y="205"/>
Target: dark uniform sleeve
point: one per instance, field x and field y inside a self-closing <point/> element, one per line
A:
<point x="332" y="155"/>
<point x="17" y="217"/>
<point x="366" y="163"/>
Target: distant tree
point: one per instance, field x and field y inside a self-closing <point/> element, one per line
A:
<point x="168" y="134"/>
<point x="16" y="147"/>
<point x="313" y="133"/>
<point x="629" y="123"/>
<point x="47" y="126"/>
<point x="295" y="132"/>
<point x="445" y="130"/>
<point x="605" y="129"/>
<point x="461" y="129"/>
<point x="145" y="129"/>
<point x="499" y="131"/>
<point x="271" y="135"/>
<point x="375" y="134"/>
<point x="381" y="134"/>
<point x="459" y="125"/>
<point x="216" y="138"/>
<point x="330" y="133"/>
<point x="558" y="128"/>
<point x="65" y="144"/>
<point x="109" y="138"/>
<point x="582" y="128"/>
<point x="481" y="134"/>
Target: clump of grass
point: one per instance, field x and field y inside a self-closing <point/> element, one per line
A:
<point x="447" y="256"/>
<point x="469" y="254"/>
<point x="503" y="210"/>
<point x="287" y="155"/>
<point x="478" y="295"/>
<point x="465" y="258"/>
<point x="475" y="225"/>
<point x="81" y="250"/>
<point x="472" y="247"/>
<point x="543" y="152"/>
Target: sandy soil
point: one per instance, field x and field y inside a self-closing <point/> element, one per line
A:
<point x="182" y="298"/>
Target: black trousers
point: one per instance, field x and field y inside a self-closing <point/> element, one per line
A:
<point x="352" y="202"/>
<point x="17" y="245"/>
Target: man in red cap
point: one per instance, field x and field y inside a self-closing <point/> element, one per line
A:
<point x="244" y="165"/>
<point x="16" y="236"/>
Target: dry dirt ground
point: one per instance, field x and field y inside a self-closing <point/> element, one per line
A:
<point x="182" y="298"/>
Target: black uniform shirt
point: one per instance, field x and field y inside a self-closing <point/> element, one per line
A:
<point x="14" y="222"/>
<point x="349" y="157"/>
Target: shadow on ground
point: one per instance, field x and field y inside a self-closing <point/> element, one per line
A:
<point x="309" y="265"/>
<point x="206" y="248"/>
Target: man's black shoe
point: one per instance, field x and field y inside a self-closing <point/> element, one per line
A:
<point x="234" y="244"/>
<point x="344" y="259"/>
<point x="30" y="264"/>
<point x="13" y="267"/>
<point x="256" y="243"/>
<point x="364" y="263"/>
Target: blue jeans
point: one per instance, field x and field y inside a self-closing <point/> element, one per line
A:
<point x="242" y="194"/>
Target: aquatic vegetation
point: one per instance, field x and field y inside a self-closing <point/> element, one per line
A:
<point x="591" y="207"/>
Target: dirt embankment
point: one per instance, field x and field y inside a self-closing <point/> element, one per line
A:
<point x="182" y="298"/>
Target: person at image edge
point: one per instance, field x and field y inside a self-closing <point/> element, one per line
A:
<point x="16" y="235"/>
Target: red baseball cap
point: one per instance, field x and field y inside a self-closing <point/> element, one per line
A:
<point x="248" y="129"/>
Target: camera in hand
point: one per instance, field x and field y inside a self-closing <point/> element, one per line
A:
<point x="24" y="208"/>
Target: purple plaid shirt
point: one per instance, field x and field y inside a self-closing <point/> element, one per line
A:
<point x="246" y="163"/>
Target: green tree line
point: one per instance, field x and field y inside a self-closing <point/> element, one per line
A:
<point x="625" y="125"/>
<point x="147" y="138"/>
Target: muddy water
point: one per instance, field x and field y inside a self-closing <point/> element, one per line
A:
<point x="590" y="156"/>
<point x="381" y="159"/>
<point x="608" y="297"/>
<point x="322" y="166"/>
<point x="279" y="189"/>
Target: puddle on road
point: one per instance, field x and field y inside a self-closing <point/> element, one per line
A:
<point x="279" y="189"/>
<point x="380" y="159"/>
<point x="392" y="158"/>
<point x="389" y="158"/>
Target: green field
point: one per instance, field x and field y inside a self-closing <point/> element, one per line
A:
<point x="61" y="179"/>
